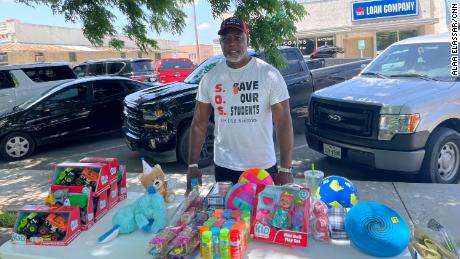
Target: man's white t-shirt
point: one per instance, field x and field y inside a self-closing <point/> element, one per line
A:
<point x="242" y="100"/>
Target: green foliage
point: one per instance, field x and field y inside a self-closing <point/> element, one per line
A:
<point x="270" y="22"/>
<point x="7" y="219"/>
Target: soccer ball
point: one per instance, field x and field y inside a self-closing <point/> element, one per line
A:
<point x="257" y="176"/>
<point x="337" y="192"/>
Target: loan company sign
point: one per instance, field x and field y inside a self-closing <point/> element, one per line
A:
<point x="378" y="9"/>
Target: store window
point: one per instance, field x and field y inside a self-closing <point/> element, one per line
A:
<point x="3" y="58"/>
<point x="386" y="38"/>
<point x="407" y="34"/>
<point x="307" y="45"/>
<point x="39" y="57"/>
<point x="157" y="56"/>
<point x="325" y="41"/>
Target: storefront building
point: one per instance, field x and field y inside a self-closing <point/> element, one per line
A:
<point x="366" y="27"/>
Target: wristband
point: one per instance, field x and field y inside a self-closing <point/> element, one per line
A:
<point x="193" y="165"/>
<point x="285" y="170"/>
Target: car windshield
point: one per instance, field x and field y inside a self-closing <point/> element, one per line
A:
<point x="142" y="66"/>
<point x="202" y="69"/>
<point x="176" y="64"/>
<point x="424" y="60"/>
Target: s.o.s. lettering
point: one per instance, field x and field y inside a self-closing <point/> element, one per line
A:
<point x="218" y="99"/>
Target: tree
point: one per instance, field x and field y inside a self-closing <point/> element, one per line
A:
<point x="270" y="22"/>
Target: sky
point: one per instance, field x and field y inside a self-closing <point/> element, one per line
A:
<point x="207" y="26"/>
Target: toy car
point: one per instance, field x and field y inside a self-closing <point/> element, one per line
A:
<point x="54" y="225"/>
<point x="30" y="224"/>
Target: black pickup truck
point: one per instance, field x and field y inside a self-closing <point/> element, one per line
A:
<point x="157" y="119"/>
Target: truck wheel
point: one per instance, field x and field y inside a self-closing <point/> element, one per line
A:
<point x="442" y="158"/>
<point x="16" y="146"/>
<point x="207" y="151"/>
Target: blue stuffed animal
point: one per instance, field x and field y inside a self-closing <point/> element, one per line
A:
<point x="147" y="213"/>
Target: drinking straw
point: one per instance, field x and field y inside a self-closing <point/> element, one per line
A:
<point x="313" y="179"/>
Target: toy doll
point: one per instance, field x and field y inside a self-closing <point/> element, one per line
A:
<point x="282" y="216"/>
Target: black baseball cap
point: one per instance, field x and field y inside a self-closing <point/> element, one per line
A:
<point x="232" y="22"/>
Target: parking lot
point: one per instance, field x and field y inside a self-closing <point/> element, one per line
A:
<point x="113" y="145"/>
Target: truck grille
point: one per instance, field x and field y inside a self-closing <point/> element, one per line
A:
<point x="134" y="120"/>
<point x="346" y="118"/>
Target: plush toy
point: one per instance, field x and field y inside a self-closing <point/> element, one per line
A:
<point x="320" y="221"/>
<point x="282" y="216"/>
<point x="154" y="176"/>
<point x="148" y="213"/>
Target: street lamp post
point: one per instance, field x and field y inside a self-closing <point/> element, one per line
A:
<point x="196" y="35"/>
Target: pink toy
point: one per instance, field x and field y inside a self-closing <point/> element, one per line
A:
<point x="263" y="216"/>
<point x="320" y="222"/>
<point x="241" y="196"/>
<point x="256" y="176"/>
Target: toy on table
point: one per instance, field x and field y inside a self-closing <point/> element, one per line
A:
<point x="154" y="176"/>
<point x="282" y="216"/>
<point x="29" y="225"/>
<point x="58" y="198"/>
<point x="320" y="221"/>
<point x="55" y="226"/>
<point x="256" y="176"/>
<point x="337" y="192"/>
<point x="147" y="213"/>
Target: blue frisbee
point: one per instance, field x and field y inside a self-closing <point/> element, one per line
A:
<point x="376" y="229"/>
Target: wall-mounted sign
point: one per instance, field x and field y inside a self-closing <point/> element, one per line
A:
<point x="377" y="9"/>
<point x="361" y="44"/>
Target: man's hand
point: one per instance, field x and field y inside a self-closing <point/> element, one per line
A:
<point x="283" y="178"/>
<point x="193" y="172"/>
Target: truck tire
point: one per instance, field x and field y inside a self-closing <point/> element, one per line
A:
<point x="207" y="151"/>
<point x="442" y="158"/>
<point x="16" y="146"/>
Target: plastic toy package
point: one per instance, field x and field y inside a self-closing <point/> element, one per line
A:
<point x="281" y="215"/>
<point x="216" y="197"/>
<point x="433" y="240"/>
<point x="43" y="225"/>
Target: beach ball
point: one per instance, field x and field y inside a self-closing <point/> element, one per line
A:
<point x="337" y="192"/>
<point x="241" y="196"/>
<point x="257" y="176"/>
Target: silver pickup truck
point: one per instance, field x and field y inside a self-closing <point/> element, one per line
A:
<point x="402" y="113"/>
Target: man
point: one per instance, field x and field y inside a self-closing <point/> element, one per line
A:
<point x="248" y="97"/>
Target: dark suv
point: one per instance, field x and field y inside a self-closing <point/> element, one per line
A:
<point x="140" y="69"/>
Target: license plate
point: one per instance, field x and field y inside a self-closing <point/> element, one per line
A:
<point x="332" y="151"/>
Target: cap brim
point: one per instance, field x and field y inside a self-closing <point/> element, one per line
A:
<point x="222" y="31"/>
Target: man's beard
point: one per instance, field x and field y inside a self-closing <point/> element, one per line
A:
<point x="237" y="59"/>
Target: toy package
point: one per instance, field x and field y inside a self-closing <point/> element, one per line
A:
<point x="44" y="225"/>
<point x="281" y="215"/>
<point x="94" y="175"/>
<point x="121" y="183"/>
<point x="111" y="162"/>
<point x="216" y="197"/>
<point x="73" y="196"/>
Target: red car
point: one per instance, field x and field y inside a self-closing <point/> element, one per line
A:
<point x="173" y="69"/>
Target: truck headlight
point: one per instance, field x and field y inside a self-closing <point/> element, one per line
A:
<point x="397" y="124"/>
<point x="152" y="114"/>
<point x="3" y="122"/>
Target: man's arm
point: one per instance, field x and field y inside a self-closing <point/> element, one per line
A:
<point x="197" y="136"/>
<point x="198" y="131"/>
<point x="285" y="135"/>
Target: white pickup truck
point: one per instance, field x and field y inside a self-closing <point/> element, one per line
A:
<point x="402" y="113"/>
